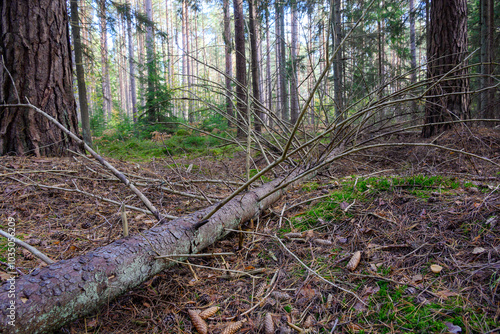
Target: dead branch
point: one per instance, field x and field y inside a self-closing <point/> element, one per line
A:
<point x="30" y="248"/>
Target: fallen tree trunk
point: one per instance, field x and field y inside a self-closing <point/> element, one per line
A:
<point x="52" y="296"/>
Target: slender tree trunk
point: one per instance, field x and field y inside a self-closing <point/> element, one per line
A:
<point x="487" y="96"/>
<point x="257" y="101"/>
<point x="241" y="74"/>
<point x="133" y="94"/>
<point x="282" y="63"/>
<point x="277" y="43"/>
<point x="493" y="106"/>
<point x="294" y="82"/>
<point x="40" y="65"/>
<point x="229" y="60"/>
<point x="447" y="100"/>
<point x="413" y="51"/>
<point x="269" y="81"/>
<point x="151" y="64"/>
<point x="338" y="71"/>
<point x="80" y="73"/>
<point x="106" y="87"/>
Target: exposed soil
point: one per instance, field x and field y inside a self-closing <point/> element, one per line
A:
<point x="400" y="233"/>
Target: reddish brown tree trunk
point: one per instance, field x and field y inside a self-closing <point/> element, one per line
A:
<point x="448" y="99"/>
<point x="229" y="60"/>
<point x="257" y="101"/>
<point x="241" y="71"/>
<point x="34" y="43"/>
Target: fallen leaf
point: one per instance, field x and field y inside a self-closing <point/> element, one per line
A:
<point x="478" y="250"/>
<point x="453" y="328"/>
<point x="92" y="323"/>
<point x="344" y="206"/>
<point x="436" y="268"/>
<point x="417" y="278"/>
<point x="446" y="293"/>
<point x="354" y="327"/>
<point x="342" y="240"/>
<point x="307" y="292"/>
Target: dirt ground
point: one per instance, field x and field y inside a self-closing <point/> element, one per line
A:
<point x="434" y="249"/>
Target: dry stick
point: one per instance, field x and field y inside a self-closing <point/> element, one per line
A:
<point x="213" y="268"/>
<point x="308" y="200"/>
<point x="31" y="249"/>
<point x="124" y="221"/>
<point x="115" y="172"/>
<point x="312" y="271"/>
<point x="193" y="255"/>
<point x="51" y="171"/>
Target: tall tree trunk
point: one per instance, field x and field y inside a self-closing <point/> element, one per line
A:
<point x="282" y="63"/>
<point x="294" y="82"/>
<point x="447" y="100"/>
<point x="338" y="71"/>
<point x="493" y="109"/>
<point x="133" y="94"/>
<point x="80" y="73"/>
<point x="279" y="103"/>
<point x="413" y="51"/>
<point x="241" y="73"/>
<point x="269" y="81"/>
<point x="381" y="60"/>
<point x="106" y="87"/>
<point x="151" y="64"/>
<point x="229" y="60"/>
<point x="257" y="101"/>
<point x="34" y="44"/>
<point x="487" y="96"/>
<point x="185" y="60"/>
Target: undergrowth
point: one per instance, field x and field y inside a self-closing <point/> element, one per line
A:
<point x="361" y="189"/>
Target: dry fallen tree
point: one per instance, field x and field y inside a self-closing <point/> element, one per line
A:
<point x="51" y="296"/>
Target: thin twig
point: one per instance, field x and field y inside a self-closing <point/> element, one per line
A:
<point x="30" y="248"/>
<point x="193" y="255"/>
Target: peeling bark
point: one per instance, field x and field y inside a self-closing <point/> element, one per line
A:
<point x="52" y="296"/>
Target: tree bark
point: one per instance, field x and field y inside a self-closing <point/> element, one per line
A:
<point x="34" y="43"/>
<point x="447" y="100"/>
<point x="241" y="72"/>
<point x="54" y="295"/>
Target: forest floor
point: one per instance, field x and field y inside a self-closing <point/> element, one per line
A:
<point x="425" y="225"/>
